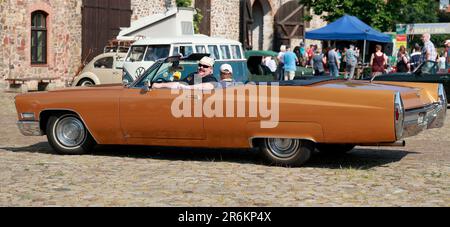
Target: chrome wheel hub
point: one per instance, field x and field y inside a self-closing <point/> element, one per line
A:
<point x="70" y="132"/>
<point x="283" y="148"/>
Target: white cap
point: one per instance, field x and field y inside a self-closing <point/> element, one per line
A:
<point x="207" y="61"/>
<point x="226" y="68"/>
<point x="447" y="41"/>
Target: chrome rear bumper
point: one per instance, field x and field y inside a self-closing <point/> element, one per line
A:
<point x="418" y="120"/>
<point x="30" y="128"/>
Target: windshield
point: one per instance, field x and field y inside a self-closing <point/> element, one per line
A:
<point x="136" y="54"/>
<point x="168" y="72"/>
<point x="155" y="53"/>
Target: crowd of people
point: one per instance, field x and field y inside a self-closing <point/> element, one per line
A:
<point x="330" y="60"/>
<point x="409" y="62"/>
<point x="336" y="61"/>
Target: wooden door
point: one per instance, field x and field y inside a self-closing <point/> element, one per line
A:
<point x="246" y="24"/>
<point x="289" y="23"/>
<point x="101" y="22"/>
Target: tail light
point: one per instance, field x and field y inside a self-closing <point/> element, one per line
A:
<point x="442" y="97"/>
<point x="399" y="115"/>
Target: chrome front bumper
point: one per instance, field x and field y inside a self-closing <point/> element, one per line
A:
<point x="418" y="120"/>
<point x="30" y="128"/>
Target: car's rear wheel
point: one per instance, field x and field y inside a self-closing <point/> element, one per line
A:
<point x="86" y="83"/>
<point x="335" y="149"/>
<point x="68" y="135"/>
<point x="286" y="152"/>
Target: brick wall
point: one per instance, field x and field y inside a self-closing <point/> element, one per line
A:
<point x="63" y="32"/>
<point x="143" y="8"/>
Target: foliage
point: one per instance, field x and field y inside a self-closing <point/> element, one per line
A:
<point x="414" y="11"/>
<point x="198" y="17"/>
<point x="184" y="3"/>
<point x="377" y="13"/>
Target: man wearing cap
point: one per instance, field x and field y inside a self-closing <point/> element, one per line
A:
<point x="202" y="79"/>
<point x="226" y="75"/>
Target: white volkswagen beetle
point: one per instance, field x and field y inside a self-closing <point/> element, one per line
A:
<point x="104" y="69"/>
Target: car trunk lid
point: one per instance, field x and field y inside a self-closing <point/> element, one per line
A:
<point x="412" y="97"/>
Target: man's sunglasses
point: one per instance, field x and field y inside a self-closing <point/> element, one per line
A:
<point x="204" y="66"/>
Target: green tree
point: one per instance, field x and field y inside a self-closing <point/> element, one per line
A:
<point x="184" y="3"/>
<point x="414" y="11"/>
<point x="379" y="14"/>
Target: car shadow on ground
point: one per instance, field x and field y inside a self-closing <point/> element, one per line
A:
<point x="360" y="158"/>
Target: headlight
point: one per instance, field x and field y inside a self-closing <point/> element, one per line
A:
<point x="126" y="76"/>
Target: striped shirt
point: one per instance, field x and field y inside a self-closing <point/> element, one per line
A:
<point x="429" y="49"/>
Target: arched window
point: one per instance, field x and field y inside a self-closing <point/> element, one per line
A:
<point x="39" y="37"/>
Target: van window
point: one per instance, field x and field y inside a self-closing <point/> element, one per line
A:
<point x="183" y="50"/>
<point x="155" y="53"/>
<point x="214" y="51"/>
<point x="236" y="52"/>
<point x="225" y="52"/>
<point x="200" y="49"/>
<point x="136" y="53"/>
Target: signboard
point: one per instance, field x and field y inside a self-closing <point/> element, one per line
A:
<point x="402" y="40"/>
<point x="418" y="29"/>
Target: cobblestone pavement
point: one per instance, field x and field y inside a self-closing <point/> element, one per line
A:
<point x="31" y="175"/>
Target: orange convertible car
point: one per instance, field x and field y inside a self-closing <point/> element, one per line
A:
<point x="287" y="121"/>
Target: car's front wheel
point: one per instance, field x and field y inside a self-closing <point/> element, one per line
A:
<point x="68" y="135"/>
<point x="286" y="152"/>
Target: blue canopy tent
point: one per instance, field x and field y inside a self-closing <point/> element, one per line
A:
<point x="348" y="28"/>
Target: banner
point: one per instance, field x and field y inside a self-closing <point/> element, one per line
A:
<point x="418" y="29"/>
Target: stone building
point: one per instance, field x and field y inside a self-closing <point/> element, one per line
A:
<point x="51" y="38"/>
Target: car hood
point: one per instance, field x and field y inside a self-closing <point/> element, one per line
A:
<point x="413" y="97"/>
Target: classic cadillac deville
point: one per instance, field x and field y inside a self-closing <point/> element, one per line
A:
<point x="320" y="113"/>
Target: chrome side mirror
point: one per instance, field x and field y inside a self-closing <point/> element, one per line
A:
<point x="125" y="83"/>
<point x="147" y="86"/>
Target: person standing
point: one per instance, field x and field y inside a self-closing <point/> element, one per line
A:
<point x="290" y="64"/>
<point x="281" y="62"/>
<point x="429" y="50"/>
<point x="304" y="55"/>
<point x="333" y="62"/>
<point x="441" y="60"/>
<point x="310" y="54"/>
<point x="447" y="53"/>
<point x="415" y="57"/>
<point x="402" y="60"/>
<point x="352" y="61"/>
<point x="378" y="62"/>
<point x="271" y="64"/>
<point x="319" y="61"/>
